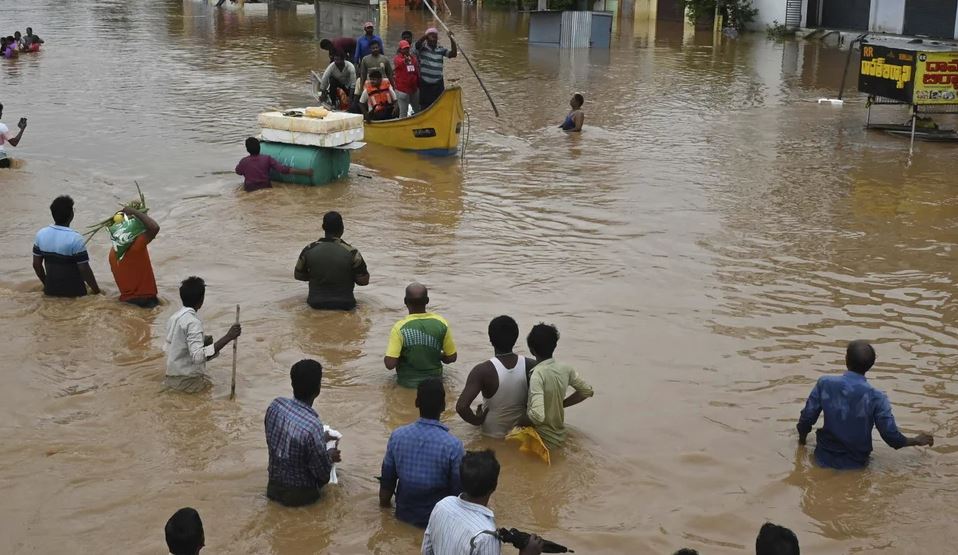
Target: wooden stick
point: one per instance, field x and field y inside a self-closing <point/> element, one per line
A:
<point x="428" y="4"/>
<point x="233" y="380"/>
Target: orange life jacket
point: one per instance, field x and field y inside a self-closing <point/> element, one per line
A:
<point x="379" y="98"/>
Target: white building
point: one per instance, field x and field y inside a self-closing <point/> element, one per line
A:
<point x="931" y="18"/>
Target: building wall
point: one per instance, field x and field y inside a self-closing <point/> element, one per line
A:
<point x="887" y="16"/>
<point x="768" y="12"/>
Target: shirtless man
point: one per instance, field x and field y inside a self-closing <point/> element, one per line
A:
<point x="503" y="381"/>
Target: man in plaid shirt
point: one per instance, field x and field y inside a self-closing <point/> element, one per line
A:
<point x="299" y="463"/>
<point x="424" y="458"/>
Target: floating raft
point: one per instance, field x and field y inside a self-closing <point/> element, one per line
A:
<point x="321" y="143"/>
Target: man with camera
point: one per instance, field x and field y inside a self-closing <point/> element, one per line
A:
<point x="466" y="524"/>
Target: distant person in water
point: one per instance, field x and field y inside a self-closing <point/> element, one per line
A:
<point x="852" y="407"/>
<point x="9" y="47"/>
<point x="187" y="348"/>
<point x="34" y="39"/>
<point x="576" y="117"/>
<point x="256" y="168"/>
<point x="776" y="540"/>
<point x="7" y="139"/>
<point x="184" y="532"/>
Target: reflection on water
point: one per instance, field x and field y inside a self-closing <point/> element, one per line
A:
<point x="706" y="247"/>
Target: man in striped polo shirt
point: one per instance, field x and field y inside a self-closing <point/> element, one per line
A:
<point x="466" y="524"/>
<point x="431" y="58"/>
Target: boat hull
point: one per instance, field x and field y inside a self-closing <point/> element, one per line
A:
<point x="434" y="131"/>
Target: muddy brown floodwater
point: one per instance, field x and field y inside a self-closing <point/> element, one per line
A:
<point x="706" y="247"/>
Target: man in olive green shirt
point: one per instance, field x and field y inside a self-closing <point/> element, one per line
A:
<point x="548" y="385"/>
<point x="332" y="267"/>
<point x="420" y="343"/>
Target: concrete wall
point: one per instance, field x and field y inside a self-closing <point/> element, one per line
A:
<point x="768" y="11"/>
<point x="887" y="16"/>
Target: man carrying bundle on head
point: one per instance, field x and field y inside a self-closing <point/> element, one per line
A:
<point x="130" y="259"/>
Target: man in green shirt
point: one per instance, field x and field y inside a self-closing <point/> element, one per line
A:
<point x="548" y="385"/>
<point x="332" y="267"/>
<point x="420" y="343"/>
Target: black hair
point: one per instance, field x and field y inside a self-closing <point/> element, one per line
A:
<point x="62" y="210"/>
<point x="431" y="398"/>
<point x="373" y="73"/>
<point x="184" y="532"/>
<point x="579" y="98"/>
<point x="17" y="34"/>
<point x="30" y="30"/>
<point x="686" y="551"/>
<point x="338" y="54"/>
<point x="859" y="356"/>
<point x="306" y="377"/>
<point x="776" y="540"/>
<point x="192" y="291"/>
<point x="503" y="333"/>
<point x="252" y="146"/>
<point x="326" y="44"/>
<point x="333" y="223"/>
<point x="542" y="340"/>
<point x="406" y="32"/>
<point x="479" y="473"/>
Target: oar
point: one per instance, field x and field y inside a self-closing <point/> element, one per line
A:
<point x="233" y="380"/>
<point x="461" y="51"/>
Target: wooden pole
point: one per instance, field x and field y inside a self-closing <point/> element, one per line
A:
<point x="233" y="379"/>
<point x="428" y="4"/>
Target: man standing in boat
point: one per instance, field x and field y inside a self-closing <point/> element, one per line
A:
<point x="407" y="79"/>
<point x="431" y="58"/>
<point x="365" y="42"/>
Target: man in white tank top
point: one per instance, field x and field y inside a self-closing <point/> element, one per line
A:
<point x="502" y="380"/>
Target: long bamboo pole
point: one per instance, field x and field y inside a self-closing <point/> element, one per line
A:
<point x="428" y="4"/>
<point x="233" y="379"/>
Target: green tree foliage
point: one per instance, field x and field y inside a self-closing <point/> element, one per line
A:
<point x="738" y="13"/>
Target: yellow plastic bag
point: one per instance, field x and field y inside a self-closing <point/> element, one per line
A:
<point x="530" y="442"/>
<point x="318" y="113"/>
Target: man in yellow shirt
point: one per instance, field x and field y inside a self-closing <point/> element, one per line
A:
<point x="420" y="343"/>
<point x="548" y="385"/>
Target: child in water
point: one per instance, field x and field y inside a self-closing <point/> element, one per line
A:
<point x="573" y="122"/>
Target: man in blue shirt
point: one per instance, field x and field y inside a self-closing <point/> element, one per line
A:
<point x="424" y="458"/>
<point x="852" y="408"/>
<point x="60" y="259"/>
<point x="299" y="462"/>
<point x="364" y="43"/>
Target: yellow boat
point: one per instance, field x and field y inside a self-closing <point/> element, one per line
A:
<point x="434" y="131"/>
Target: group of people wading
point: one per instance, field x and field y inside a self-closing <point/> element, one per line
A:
<point x="362" y="78"/>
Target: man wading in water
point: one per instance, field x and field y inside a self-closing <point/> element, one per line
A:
<point x="502" y="380"/>
<point x="420" y="343"/>
<point x="852" y="407"/>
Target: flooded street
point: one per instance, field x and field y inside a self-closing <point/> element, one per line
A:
<point x="706" y="248"/>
